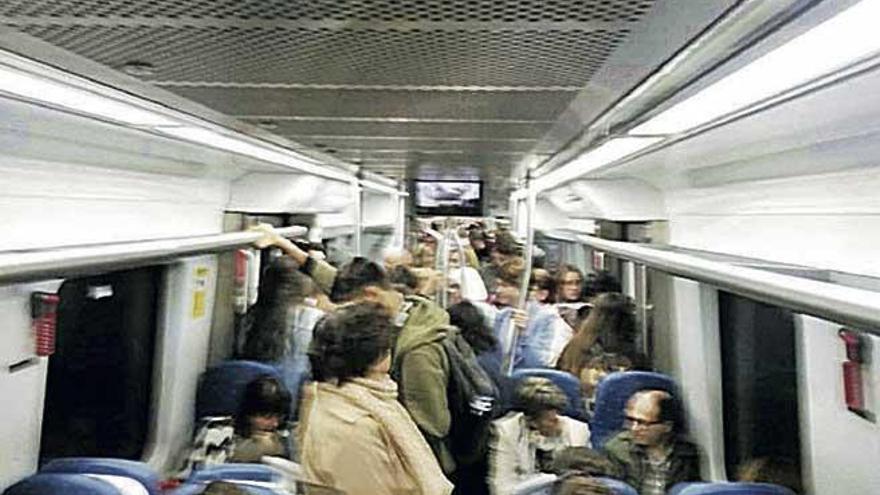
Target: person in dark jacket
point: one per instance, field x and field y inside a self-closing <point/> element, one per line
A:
<point x="650" y="454"/>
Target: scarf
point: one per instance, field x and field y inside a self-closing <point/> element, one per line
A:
<point x="379" y="399"/>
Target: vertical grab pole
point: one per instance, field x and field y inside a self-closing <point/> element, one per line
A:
<point x="462" y="261"/>
<point x="512" y="332"/>
<point x="358" y="216"/>
<point x="439" y="254"/>
<point x="400" y="240"/>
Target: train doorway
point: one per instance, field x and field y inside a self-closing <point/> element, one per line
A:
<point x="99" y="380"/>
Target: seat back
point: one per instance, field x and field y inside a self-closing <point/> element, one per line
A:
<point x="618" y="487"/>
<point x="729" y="489"/>
<point x="565" y="381"/>
<point x="235" y="472"/>
<point x="611" y="398"/>
<point x="198" y="488"/>
<point x="138" y="471"/>
<point x="221" y="388"/>
<point x="75" y="484"/>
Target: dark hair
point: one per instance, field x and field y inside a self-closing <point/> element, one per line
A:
<point x="403" y="279"/>
<point x="611" y="322"/>
<point x="473" y="327"/>
<point x="506" y="244"/>
<point x="601" y="282"/>
<point x="263" y="395"/>
<point x="542" y="280"/>
<point x="282" y="285"/>
<point x="354" y="276"/>
<point x="349" y="341"/>
<point x="669" y="409"/>
<point x="560" y="276"/>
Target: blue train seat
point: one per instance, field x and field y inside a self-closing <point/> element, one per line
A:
<point x="138" y="471"/>
<point x="729" y="489"/>
<point x="235" y="471"/>
<point x="221" y="387"/>
<point x="611" y="398"/>
<point x="198" y="488"/>
<point x="565" y="381"/>
<point x="76" y="484"/>
<point x="618" y="487"/>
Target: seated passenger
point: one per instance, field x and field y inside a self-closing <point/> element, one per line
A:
<point x="651" y="455"/>
<point x="776" y="470"/>
<point x="542" y="334"/>
<point x="283" y="320"/>
<point x="597" y="369"/>
<point x="581" y="485"/>
<point x="258" y="429"/>
<point x="354" y="434"/>
<point x="525" y="443"/>
<point x="610" y="326"/>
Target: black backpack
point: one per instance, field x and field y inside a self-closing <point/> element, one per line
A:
<point x="474" y="401"/>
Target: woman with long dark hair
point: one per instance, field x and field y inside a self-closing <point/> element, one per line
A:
<point x="610" y="327"/>
<point x="283" y="322"/>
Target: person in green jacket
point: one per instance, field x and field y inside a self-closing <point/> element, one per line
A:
<point x="651" y="455"/>
<point x="419" y="362"/>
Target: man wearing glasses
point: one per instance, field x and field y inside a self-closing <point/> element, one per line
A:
<point x="649" y="453"/>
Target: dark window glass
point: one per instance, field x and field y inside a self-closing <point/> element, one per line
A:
<point x="759" y="384"/>
<point x="99" y="384"/>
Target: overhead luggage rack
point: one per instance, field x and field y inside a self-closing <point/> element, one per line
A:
<point x="22" y="266"/>
<point x="847" y="305"/>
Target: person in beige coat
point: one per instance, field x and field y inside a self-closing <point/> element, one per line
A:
<point x="525" y="443"/>
<point x="354" y="434"/>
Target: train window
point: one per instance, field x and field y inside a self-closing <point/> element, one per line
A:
<point x="759" y="385"/>
<point x="99" y="380"/>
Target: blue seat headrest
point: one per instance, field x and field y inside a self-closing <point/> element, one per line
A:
<point x="729" y="489"/>
<point x="612" y="395"/>
<point x="565" y="381"/>
<point x="138" y="471"/>
<point x="198" y="488"/>
<point x="618" y="487"/>
<point x="59" y="483"/>
<point x="234" y="471"/>
<point x="221" y="388"/>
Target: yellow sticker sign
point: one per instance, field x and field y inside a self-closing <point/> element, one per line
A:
<point x="200" y="289"/>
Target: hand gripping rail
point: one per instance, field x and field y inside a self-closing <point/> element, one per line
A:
<point x="23" y="266"/>
<point x="847" y="305"/>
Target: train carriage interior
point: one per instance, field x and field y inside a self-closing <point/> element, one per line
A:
<point x="715" y="162"/>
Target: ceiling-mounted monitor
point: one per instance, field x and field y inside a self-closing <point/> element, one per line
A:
<point x="449" y="198"/>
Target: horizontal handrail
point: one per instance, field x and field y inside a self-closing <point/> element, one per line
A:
<point x="23" y="266"/>
<point x="847" y="305"/>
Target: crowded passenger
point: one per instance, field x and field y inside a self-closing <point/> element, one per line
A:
<point x="470" y="321"/>
<point x="526" y="442"/>
<point x="596" y="370"/>
<point x="540" y="333"/>
<point x="354" y="434"/>
<point x="283" y="320"/>
<point x="651" y="454"/>
<point x="403" y="279"/>
<point x="610" y="327"/>
<point x="394" y="257"/>
<point x="505" y="248"/>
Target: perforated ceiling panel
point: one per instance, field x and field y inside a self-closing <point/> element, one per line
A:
<point x="399" y="86"/>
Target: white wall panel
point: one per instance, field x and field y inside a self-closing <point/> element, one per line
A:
<point x="51" y="204"/>
<point x="840" y="450"/>
<point x="22" y="389"/>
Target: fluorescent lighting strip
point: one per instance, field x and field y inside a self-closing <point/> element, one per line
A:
<point x="376" y="186"/>
<point x="67" y="91"/>
<point x="23" y="78"/>
<point x="607" y="153"/>
<point x="261" y="151"/>
<point x="845" y="39"/>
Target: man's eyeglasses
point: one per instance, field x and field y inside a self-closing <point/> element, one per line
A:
<point x="632" y="422"/>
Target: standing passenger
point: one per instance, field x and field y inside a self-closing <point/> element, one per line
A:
<point x="609" y="327"/>
<point x="354" y="435"/>
<point x="284" y="319"/>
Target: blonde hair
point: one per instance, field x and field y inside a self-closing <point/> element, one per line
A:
<point x="536" y="394"/>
